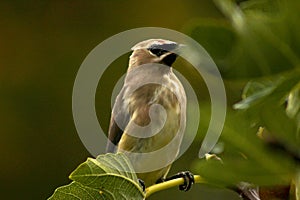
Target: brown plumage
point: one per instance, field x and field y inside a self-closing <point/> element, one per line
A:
<point x="137" y="108"/>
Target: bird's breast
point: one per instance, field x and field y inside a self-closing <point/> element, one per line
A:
<point x="158" y="109"/>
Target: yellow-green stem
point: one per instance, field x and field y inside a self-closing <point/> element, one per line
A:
<point x="169" y="184"/>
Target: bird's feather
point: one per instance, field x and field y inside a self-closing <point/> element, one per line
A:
<point x="118" y="122"/>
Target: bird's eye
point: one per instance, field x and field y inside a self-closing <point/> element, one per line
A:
<point x="157" y="52"/>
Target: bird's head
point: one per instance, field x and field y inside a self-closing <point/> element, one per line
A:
<point x="153" y="51"/>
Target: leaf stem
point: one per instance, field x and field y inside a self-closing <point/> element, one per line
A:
<point x="169" y="184"/>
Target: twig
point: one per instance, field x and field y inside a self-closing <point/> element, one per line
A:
<point x="169" y="184"/>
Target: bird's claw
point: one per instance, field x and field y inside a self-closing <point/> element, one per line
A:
<point x="188" y="180"/>
<point x="142" y="184"/>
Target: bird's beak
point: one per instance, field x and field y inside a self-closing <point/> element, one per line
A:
<point x="170" y="57"/>
<point x="178" y="50"/>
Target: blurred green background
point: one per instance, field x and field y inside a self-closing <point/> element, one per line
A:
<point x="43" y="44"/>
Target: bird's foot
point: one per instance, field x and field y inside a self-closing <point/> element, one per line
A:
<point x="188" y="180"/>
<point x="142" y="184"/>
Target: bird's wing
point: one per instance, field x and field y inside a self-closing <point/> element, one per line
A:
<point x="114" y="136"/>
<point x="115" y="131"/>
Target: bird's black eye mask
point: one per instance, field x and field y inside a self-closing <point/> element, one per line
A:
<point x="160" y="49"/>
<point x="157" y="52"/>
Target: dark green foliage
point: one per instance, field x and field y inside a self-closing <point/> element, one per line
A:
<point x="259" y="45"/>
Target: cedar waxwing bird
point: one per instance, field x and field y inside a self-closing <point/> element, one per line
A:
<point x="149" y="114"/>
